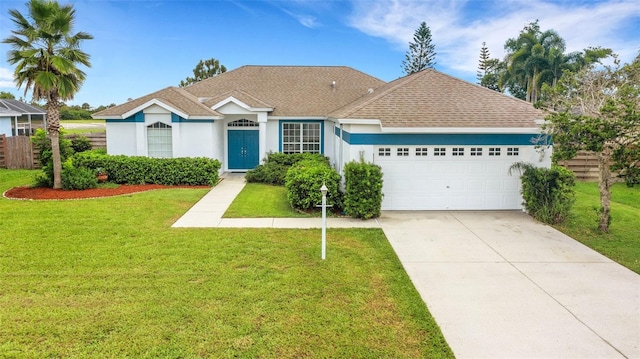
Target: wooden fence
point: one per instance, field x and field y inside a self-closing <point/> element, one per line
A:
<point x="97" y="139"/>
<point x="17" y="152"/>
<point x="584" y="165"/>
<point x="3" y="156"/>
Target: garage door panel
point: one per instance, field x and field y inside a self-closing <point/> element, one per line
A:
<point x="448" y="182"/>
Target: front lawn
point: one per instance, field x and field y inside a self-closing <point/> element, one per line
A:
<point x="109" y="278"/>
<point x="259" y="200"/>
<point x="622" y="244"/>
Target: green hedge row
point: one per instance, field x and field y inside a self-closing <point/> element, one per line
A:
<point x="276" y="165"/>
<point x="139" y="170"/>
<point x="304" y="180"/>
<point x="547" y="192"/>
<point x="363" y="190"/>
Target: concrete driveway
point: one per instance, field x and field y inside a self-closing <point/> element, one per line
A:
<point x="503" y="286"/>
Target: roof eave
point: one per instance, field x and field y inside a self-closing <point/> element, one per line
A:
<point x="460" y="129"/>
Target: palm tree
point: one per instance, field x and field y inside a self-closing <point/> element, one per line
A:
<point x="47" y="55"/>
<point x="530" y="55"/>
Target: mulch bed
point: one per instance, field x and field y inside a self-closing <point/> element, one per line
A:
<point x="41" y="193"/>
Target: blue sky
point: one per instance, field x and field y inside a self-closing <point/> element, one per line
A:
<point x="143" y="46"/>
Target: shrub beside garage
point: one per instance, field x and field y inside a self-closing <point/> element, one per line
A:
<point x="363" y="190"/>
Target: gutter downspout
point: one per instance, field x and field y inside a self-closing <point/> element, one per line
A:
<point x="341" y="151"/>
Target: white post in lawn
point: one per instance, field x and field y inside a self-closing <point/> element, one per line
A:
<point x="324" y="190"/>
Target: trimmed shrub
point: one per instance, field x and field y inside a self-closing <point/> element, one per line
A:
<point x="548" y="192"/>
<point x="78" y="178"/>
<point x="290" y="159"/>
<point x="140" y="170"/>
<point x="42" y="143"/>
<point x="276" y="165"/>
<point x="363" y="190"/>
<point x="304" y="180"/>
<point x="80" y="144"/>
<point x="270" y="173"/>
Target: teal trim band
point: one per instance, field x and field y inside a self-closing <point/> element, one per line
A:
<point x="346" y="136"/>
<point x="321" y="122"/>
<point x="524" y="139"/>
<point x="195" y="121"/>
<point x="176" y="118"/>
<point x="138" y="117"/>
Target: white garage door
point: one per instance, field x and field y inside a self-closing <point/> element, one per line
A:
<point x="449" y="177"/>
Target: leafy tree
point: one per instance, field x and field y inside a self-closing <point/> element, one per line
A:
<point x="74" y="113"/>
<point x="598" y="109"/>
<point x="86" y="106"/>
<point x="204" y="70"/>
<point x="421" y="54"/>
<point x="47" y="54"/>
<point x="7" y="95"/>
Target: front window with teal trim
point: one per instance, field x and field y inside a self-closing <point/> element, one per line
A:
<point x="301" y="137"/>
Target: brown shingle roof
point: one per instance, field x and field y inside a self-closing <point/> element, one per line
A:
<point x="291" y="90"/>
<point x="171" y="96"/>
<point x="432" y="99"/>
<point x="239" y="95"/>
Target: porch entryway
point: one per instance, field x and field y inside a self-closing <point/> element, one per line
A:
<point x="243" y="149"/>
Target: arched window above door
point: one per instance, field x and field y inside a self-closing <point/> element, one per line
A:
<point x="242" y="123"/>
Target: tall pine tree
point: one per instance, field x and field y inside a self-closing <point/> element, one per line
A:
<point x="421" y="54"/>
<point x="483" y="65"/>
<point x="488" y="74"/>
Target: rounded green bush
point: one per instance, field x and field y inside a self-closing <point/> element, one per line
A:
<point x="304" y="180"/>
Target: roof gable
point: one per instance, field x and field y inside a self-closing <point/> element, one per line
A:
<point x="240" y="98"/>
<point x="431" y="99"/>
<point x="172" y="99"/>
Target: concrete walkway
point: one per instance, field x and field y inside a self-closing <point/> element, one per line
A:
<point x="209" y="210"/>
<point x="503" y="286"/>
<point x="499" y="284"/>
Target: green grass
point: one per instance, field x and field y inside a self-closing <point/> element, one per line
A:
<point x="80" y="131"/>
<point x="109" y="278"/>
<point x="622" y="244"/>
<point x="259" y="200"/>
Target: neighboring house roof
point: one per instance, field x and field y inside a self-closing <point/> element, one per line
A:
<point x="173" y="97"/>
<point x="291" y="90"/>
<point x="432" y="99"/>
<point x="4" y="112"/>
<point x="20" y="107"/>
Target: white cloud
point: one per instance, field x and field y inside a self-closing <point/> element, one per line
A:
<point x="305" y="20"/>
<point x="6" y="78"/>
<point x="459" y="27"/>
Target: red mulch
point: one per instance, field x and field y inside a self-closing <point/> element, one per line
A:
<point x="41" y="193"/>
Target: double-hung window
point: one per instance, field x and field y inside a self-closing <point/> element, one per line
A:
<point x="159" y="143"/>
<point x="301" y="137"/>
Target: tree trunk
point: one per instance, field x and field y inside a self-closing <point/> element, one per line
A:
<point x="534" y="87"/>
<point x="604" y="186"/>
<point x="53" y="122"/>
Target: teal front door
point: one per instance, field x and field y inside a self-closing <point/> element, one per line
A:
<point x="243" y="147"/>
